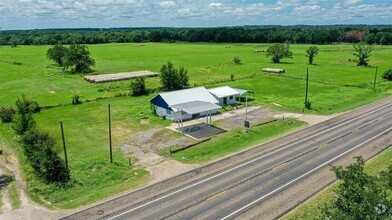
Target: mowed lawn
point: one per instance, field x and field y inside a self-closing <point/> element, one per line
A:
<point x="336" y="84"/>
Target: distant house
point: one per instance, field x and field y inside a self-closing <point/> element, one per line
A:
<point x="225" y="95"/>
<point x="185" y="104"/>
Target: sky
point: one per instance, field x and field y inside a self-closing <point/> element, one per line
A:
<point x="41" y="14"/>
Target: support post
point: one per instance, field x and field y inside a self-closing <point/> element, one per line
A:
<point x="209" y="123"/>
<point x="246" y="108"/>
<point x="110" y="135"/>
<point x="182" y="122"/>
<point x="375" y="79"/>
<point x="178" y="120"/>
<point x="65" y="148"/>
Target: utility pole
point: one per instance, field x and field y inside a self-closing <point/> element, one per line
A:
<point x="307" y="88"/>
<point x="65" y="149"/>
<point x="375" y="79"/>
<point x="110" y="135"/>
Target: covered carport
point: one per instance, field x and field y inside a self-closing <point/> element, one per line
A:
<point x="194" y="108"/>
<point x="243" y="91"/>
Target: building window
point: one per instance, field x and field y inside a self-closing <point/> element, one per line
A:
<point x="168" y="112"/>
<point x="231" y="97"/>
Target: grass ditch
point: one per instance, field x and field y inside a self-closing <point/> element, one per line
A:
<point x="234" y="141"/>
<point x="311" y="209"/>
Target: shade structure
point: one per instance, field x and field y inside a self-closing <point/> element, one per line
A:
<point x="195" y="107"/>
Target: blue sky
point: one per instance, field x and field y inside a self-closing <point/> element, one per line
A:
<point x="31" y="14"/>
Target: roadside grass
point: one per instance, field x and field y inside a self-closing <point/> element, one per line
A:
<point x="311" y="209"/>
<point x="234" y="141"/>
<point x="14" y="195"/>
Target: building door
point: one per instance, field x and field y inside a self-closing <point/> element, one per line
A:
<point x="225" y="101"/>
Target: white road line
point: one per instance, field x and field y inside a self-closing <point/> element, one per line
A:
<point x="244" y="164"/>
<point x="311" y="171"/>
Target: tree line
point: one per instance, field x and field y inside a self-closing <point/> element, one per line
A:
<point x="372" y="34"/>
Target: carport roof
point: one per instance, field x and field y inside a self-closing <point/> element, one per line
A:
<point x="223" y="91"/>
<point x="195" y="107"/>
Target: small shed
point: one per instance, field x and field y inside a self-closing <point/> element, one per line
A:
<point x="185" y="104"/>
<point x="225" y="95"/>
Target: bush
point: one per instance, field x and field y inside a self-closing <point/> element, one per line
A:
<point x="232" y="77"/>
<point x="138" y="87"/>
<point x="23" y="120"/>
<point x="308" y="105"/>
<point x="75" y="100"/>
<point x="7" y="114"/>
<point x="38" y="148"/>
<point x="25" y="106"/>
<point x="236" y="61"/>
<point x="387" y="75"/>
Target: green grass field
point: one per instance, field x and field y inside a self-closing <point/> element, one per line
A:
<point x="336" y="84"/>
<point x="311" y="209"/>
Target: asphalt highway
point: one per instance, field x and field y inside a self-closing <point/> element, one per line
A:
<point x="228" y="192"/>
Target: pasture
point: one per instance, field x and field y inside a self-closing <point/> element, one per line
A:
<point x="336" y="84"/>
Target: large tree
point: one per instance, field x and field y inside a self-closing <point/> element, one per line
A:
<point x="172" y="78"/>
<point x="311" y="52"/>
<point x="278" y="52"/>
<point x="57" y="53"/>
<point x="360" y="196"/>
<point x="362" y="51"/>
<point x="79" y="58"/>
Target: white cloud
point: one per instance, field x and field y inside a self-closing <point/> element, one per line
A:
<point x="184" y="12"/>
<point x="288" y="3"/>
<point x="167" y="4"/>
<point x="307" y="8"/>
<point x="215" y="5"/>
<point x="352" y="2"/>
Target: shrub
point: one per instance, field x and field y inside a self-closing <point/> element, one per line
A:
<point x="75" y="100"/>
<point x="232" y="77"/>
<point x="138" y="87"/>
<point x="23" y="123"/>
<point x="38" y="148"/>
<point x="23" y="120"/>
<point x="387" y="75"/>
<point x="308" y="105"/>
<point x="7" y="114"/>
<point x="236" y="61"/>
